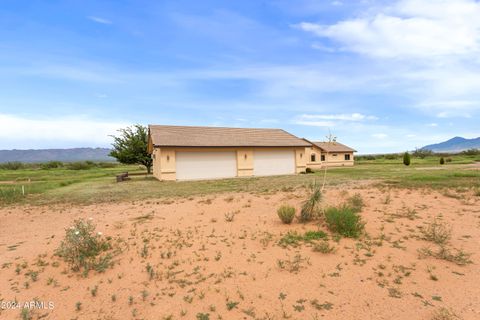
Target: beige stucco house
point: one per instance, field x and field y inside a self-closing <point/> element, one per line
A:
<point x="330" y="154"/>
<point x="190" y="153"/>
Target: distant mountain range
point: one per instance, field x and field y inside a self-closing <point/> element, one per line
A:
<point x="64" y="155"/>
<point x="457" y="144"/>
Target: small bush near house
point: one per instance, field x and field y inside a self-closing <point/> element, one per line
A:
<point x="310" y="207"/>
<point x="286" y="213"/>
<point x="345" y="221"/>
<point x="83" y="248"/>
<point x="308" y="170"/>
<point x="356" y="202"/>
<point x="406" y="158"/>
<point x="442" y="160"/>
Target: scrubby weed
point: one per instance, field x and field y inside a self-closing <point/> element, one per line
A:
<point x="437" y="232"/>
<point x="344" y="220"/>
<point x="286" y="213"/>
<point x="444" y="314"/>
<point x="356" y="202"/>
<point x="230" y="216"/>
<point x="293" y="265"/>
<point x="310" y="207"/>
<point x="293" y="238"/>
<point x="323" y="247"/>
<point x="458" y="257"/>
<point x="83" y="248"/>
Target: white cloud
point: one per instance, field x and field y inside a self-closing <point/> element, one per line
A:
<point x="326" y="124"/>
<point x="52" y="132"/>
<point x="99" y="20"/>
<point x="380" y="135"/>
<point x="331" y="120"/>
<point x="344" y="117"/>
<point x="409" y="28"/>
<point x="432" y="125"/>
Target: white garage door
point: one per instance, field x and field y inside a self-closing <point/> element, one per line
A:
<point x="275" y="162"/>
<point x="206" y="165"/>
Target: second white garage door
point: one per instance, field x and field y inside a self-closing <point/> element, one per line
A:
<point x="206" y="165"/>
<point x="274" y="162"/>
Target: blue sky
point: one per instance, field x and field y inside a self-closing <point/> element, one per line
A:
<point x="382" y="76"/>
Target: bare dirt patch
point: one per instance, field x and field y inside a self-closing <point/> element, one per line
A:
<point x="220" y="256"/>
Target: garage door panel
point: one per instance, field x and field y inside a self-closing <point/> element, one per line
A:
<point x="273" y="162"/>
<point x="206" y="165"/>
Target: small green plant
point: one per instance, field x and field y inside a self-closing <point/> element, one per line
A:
<point x="406" y="158"/>
<point x="203" y="316"/>
<point x="83" y="248"/>
<point x="310" y="207"/>
<point x="232" y="305"/>
<point x="78" y="306"/>
<point x="345" y="221"/>
<point x="444" y="314"/>
<point x="442" y="160"/>
<point x="286" y="213"/>
<point x="25" y="314"/>
<point x="356" y="202"/>
<point x="314" y="235"/>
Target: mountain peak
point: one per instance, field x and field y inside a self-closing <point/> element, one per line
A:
<point x="455" y="144"/>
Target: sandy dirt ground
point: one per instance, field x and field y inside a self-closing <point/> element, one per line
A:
<point x="203" y="264"/>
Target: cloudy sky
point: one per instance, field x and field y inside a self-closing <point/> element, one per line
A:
<point x="382" y="76"/>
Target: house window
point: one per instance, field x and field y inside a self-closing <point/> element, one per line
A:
<point x="322" y="157"/>
<point x="313" y="157"/>
<point x="347" y="157"/>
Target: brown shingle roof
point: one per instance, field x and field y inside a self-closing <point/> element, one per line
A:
<point x="183" y="136"/>
<point x="333" y="147"/>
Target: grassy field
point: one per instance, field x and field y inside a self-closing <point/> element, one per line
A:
<point x="97" y="184"/>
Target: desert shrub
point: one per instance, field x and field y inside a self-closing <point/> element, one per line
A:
<point x="356" y="202"/>
<point x="477" y="192"/>
<point x="107" y="164"/>
<point x="437" y="232"/>
<point x="310" y="207"/>
<point x="323" y="247"/>
<point x="286" y="213"/>
<point x="442" y="160"/>
<point x="80" y="165"/>
<point x="344" y="220"/>
<point x="406" y="158"/>
<point x="308" y="170"/>
<point x="393" y="156"/>
<point x="83" y="248"/>
<point x="291" y="238"/>
<point x="314" y="235"/>
<point x="422" y="153"/>
<point x="471" y="152"/>
<point x="448" y="160"/>
<point x="444" y="314"/>
<point x="13" y="165"/>
<point x="459" y="257"/>
<point x="51" y="165"/>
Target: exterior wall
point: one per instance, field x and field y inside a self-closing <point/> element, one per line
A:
<point x="332" y="159"/>
<point x="318" y="156"/>
<point x="164" y="167"/>
<point x="337" y="159"/>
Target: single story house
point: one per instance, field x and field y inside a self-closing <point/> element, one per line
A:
<point x="189" y="153"/>
<point x="330" y="154"/>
